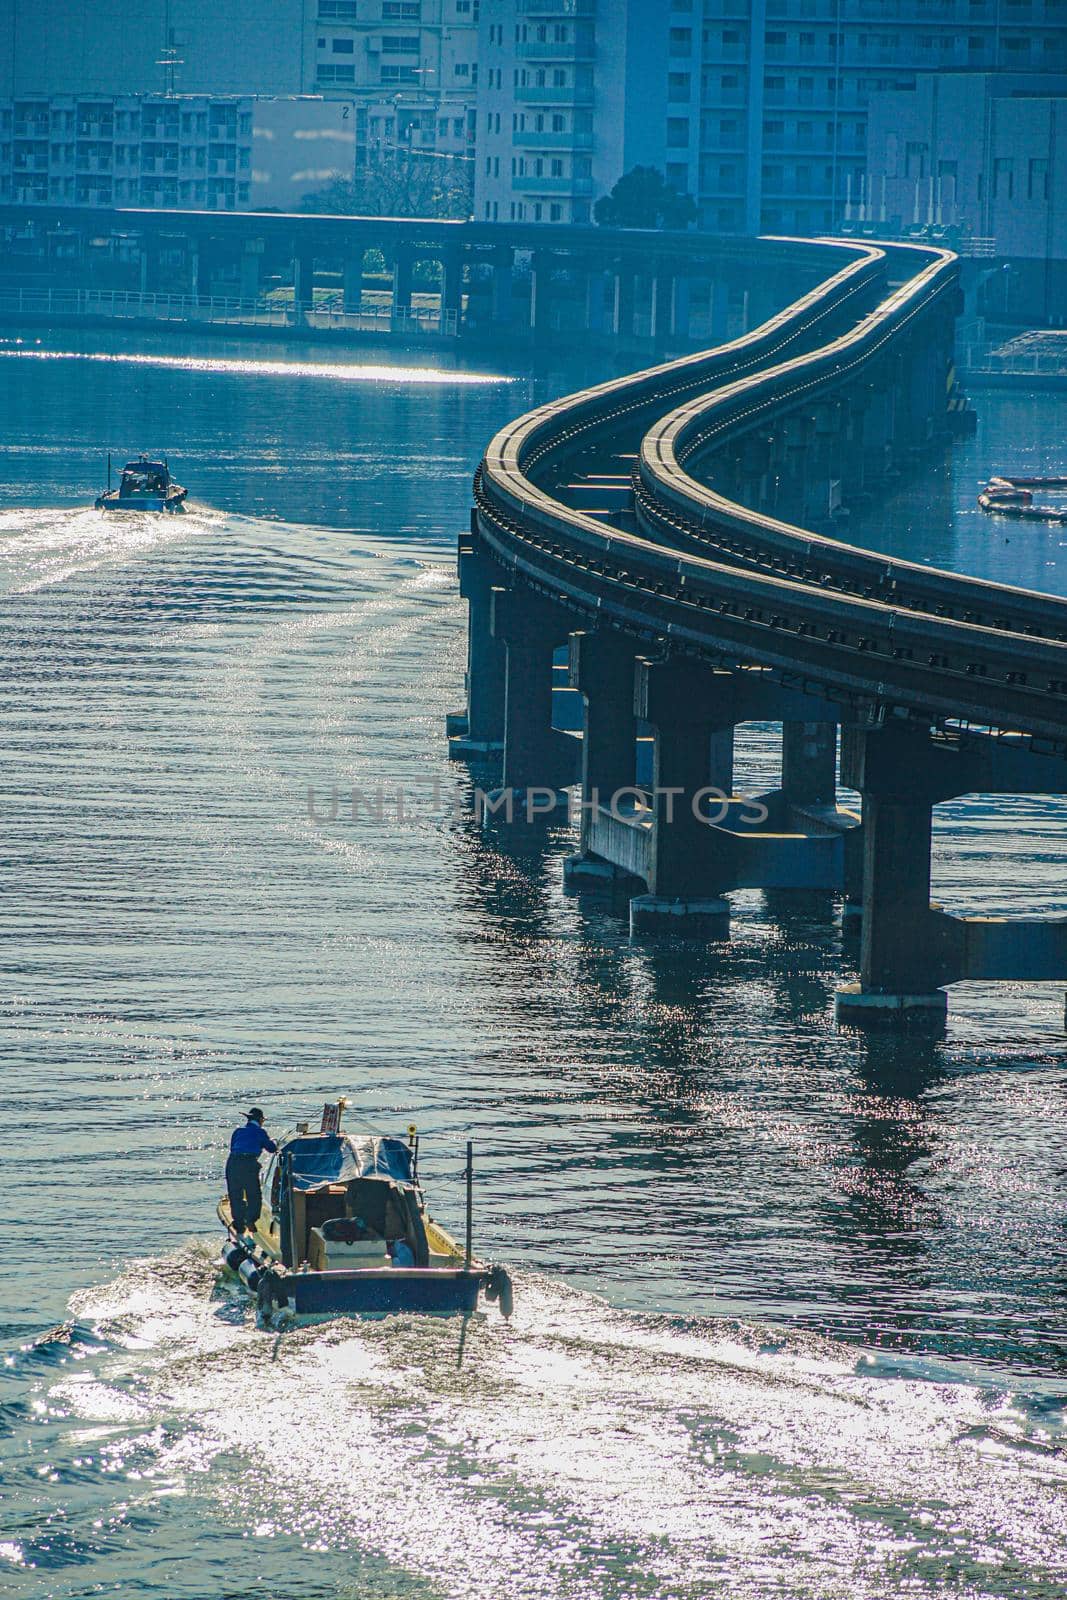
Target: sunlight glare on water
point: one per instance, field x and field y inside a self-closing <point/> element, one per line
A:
<point x="789" y="1302"/>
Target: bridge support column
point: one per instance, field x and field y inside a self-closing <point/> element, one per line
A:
<point x="594" y="301"/>
<point x="251" y="256"/>
<point x="602" y="670"/>
<point x="680" y="307"/>
<point x="539" y="761"/>
<point x="719" y="311"/>
<point x="478" y="734"/>
<point x="149" y="264"/>
<point x="452" y="291"/>
<point x="901" y="946"/>
<point x="622" y="321"/>
<point x="501" y="311"/>
<point x="541" y="269"/>
<point x="353" y="283"/>
<point x="685" y="704"/>
<point x="402" y="271"/>
<point x="809" y="763"/>
<point x="303" y="284"/>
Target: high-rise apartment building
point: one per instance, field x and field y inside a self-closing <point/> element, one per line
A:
<point x="407" y="67"/>
<point x="757" y="108"/>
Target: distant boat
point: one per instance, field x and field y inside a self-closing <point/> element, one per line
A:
<point x="347" y="1231"/>
<point x="145" y="485"/>
<point x="1014" y="497"/>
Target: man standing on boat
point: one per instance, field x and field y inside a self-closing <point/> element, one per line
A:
<point x="242" y="1170"/>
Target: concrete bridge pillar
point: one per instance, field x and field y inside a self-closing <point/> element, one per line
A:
<point x="622" y="320"/>
<point x="353" y="283"/>
<point x="601" y="668"/>
<point x="303" y="283"/>
<point x="501" y="308"/>
<point x="809" y="763"/>
<point x="251" y="257"/>
<point x="595" y="317"/>
<point x="685" y="705"/>
<point x="541" y="269"/>
<point x="719" y="311"/>
<point x="901" y="955"/>
<point x="536" y="755"/>
<point x="679" y="324"/>
<point x="452" y="289"/>
<point x="149" y="264"/>
<point x="478" y="734"/>
<point x="403" y="265"/>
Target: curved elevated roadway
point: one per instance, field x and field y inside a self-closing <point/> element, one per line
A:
<point x="711" y="576"/>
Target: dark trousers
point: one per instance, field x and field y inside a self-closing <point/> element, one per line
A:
<point x="243" y="1188"/>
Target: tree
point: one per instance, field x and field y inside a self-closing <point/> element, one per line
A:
<point x="399" y="185"/>
<point x="643" y="198"/>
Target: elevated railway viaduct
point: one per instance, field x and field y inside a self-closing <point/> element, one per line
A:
<point x="674" y="528"/>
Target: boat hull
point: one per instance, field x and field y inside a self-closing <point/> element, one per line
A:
<point x="421" y="1291"/>
<point x="174" y="501"/>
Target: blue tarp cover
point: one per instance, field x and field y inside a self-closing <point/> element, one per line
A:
<point x="318" y="1159"/>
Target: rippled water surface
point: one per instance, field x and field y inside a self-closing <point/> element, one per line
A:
<point x="790" y="1303"/>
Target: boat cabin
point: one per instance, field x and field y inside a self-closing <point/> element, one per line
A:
<point x="144" y="477"/>
<point x="341" y="1201"/>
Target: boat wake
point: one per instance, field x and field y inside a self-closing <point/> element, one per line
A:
<point x="578" y="1451"/>
<point x="39" y="548"/>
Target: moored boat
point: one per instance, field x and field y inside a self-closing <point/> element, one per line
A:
<point x="144" y="485"/>
<point x="348" y="1232"/>
<point x="1014" y="497"/>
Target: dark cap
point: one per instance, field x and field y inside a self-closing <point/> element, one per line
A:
<point x="255" y="1115"/>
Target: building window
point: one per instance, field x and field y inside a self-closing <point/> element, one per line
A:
<point x="1037" y="183"/>
<point x="331" y="74"/>
<point x="915" y="160"/>
<point x="337" y="10"/>
<point x="1003" y="178"/>
<point x="342" y="47"/>
<point x="400" y="44"/>
<point x="677" y="132"/>
<point x="678" y="86"/>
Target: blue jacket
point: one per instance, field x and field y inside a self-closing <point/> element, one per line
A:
<point x="250" y="1140"/>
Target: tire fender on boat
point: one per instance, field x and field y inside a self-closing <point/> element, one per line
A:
<point x="498" y="1286"/>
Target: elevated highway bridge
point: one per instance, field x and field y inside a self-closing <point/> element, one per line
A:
<point x="676" y="528"/>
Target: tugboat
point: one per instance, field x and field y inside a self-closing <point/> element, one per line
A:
<point x="145" y="485"/>
<point x="348" y="1233"/>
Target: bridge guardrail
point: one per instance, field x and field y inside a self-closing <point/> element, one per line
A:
<point x="853" y="647"/>
<point x="673" y="501"/>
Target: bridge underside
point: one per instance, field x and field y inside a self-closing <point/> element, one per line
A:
<point x="687" y="608"/>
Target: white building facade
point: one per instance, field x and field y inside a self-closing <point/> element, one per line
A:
<point x="190" y="152"/>
<point x="757" y="108"/>
<point x="408" y="68"/>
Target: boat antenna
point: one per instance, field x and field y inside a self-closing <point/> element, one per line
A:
<point x="109" y="472"/>
<point x="413" y="1146"/>
<point x="469" y="1175"/>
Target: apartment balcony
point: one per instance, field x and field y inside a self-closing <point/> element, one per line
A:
<point x="529" y="139"/>
<point x="554" y="50"/>
<point x="568" y="95"/>
<point x="552" y="186"/>
<point x="32" y="130"/>
<point x="556" y="11"/>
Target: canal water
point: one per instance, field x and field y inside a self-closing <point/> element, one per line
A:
<point x="790" y="1309"/>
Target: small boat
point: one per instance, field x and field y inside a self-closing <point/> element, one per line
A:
<point x="145" y="485"/>
<point x="347" y="1232"/>
<point x="1014" y="497"/>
